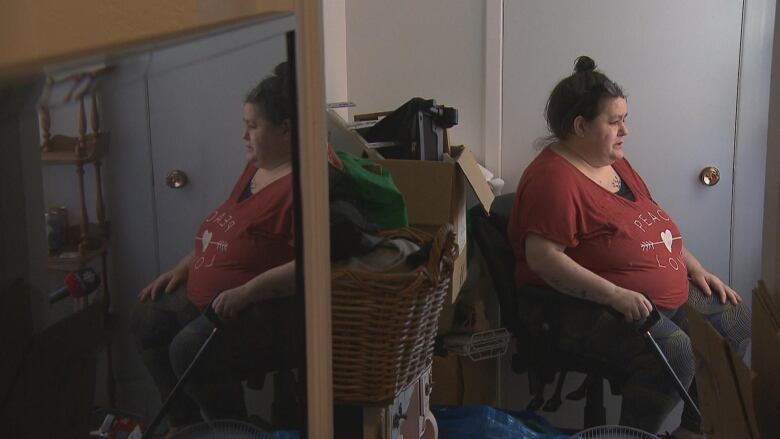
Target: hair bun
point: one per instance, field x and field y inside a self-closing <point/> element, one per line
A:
<point x="584" y="64"/>
<point x="282" y="70"/>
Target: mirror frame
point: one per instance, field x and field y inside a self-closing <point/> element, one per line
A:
<point x="43" y="34"/>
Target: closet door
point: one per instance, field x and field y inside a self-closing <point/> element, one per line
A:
<point x="196" y="96"/>
<point x="677" y="61"/>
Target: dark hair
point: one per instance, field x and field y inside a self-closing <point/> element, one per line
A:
<point x="580" y="94"/>
<point x="272" y="95"/>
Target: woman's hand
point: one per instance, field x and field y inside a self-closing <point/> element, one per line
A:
<point x="709" y="283"/>
<point x="550" y="261"/>
<point x="231" y="302"/>
<point x="634" y="306"/>
<point x="168" y="282"/>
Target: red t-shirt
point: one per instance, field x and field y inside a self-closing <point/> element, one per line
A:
<point x="633" y="244"/>
<point x="240" y="240"/>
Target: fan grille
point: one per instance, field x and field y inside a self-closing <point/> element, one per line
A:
<point x="222" y="429"/>
<point x="613" y="432"/>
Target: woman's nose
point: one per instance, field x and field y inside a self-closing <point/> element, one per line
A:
<point x="245" y="136"/>
<point x="623" y="129"/>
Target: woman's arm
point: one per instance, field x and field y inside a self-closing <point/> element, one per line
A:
<point x="168" y="281"/>
<point x="276" y="282"/>
<point x="548" y="260"/>
<point x="707" y="281"/>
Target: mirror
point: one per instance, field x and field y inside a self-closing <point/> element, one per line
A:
<point x="174" y="178"/>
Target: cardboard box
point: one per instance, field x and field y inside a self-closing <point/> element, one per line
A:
<point x="434" y="192"/>
<point x="737" y="401"/>
<point x="461" y="381"/>
<point x="724" y="384"/>
<point x="766" y="360"/>
<point x="340" y="136"/>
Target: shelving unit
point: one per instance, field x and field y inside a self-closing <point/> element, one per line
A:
<point x="87" y="241"/>
<point x="70" y="256"/>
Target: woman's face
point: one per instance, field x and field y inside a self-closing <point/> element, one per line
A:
<point x="603" y="136"/>
<point x="267" y="144"/>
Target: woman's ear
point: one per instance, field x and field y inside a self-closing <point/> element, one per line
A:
<point x="579" y="126"/>
<point x="286" y="126"/>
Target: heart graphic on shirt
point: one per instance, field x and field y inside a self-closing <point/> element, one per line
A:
<point x="666" y="237"/>
<point x="206" y="239"/>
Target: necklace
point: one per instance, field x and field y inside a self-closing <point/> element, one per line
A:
<point x="586" y="168"/>
<point x="264" y="177"/>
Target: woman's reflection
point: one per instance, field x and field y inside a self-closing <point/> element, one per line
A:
<point x="243" y="263"/>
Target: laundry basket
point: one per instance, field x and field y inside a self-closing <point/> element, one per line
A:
<point x="384" y="325"/>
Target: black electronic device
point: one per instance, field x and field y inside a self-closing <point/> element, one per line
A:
<point x="414" y="131"/>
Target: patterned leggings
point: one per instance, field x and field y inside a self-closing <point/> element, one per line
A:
<point x="648" y="392"/>
<point x="732" y="322"/>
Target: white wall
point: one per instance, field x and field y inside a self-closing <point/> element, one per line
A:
<point x="335" y="41"/>
<point x="771" y="249"/>
<point x="400" y="49"/>
<point x="750" y="146"/>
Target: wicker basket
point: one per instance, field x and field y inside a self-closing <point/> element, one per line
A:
<point x="384" y="325"/>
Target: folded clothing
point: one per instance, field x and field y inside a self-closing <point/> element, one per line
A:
<point x="389" y="256"/>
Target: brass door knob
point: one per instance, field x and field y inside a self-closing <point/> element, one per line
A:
<point x="176" y="179"/>
<point x="709" y="176"/>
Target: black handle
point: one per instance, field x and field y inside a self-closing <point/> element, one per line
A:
<point x="644" y="325"/>
<point x="212" y="316"/>
<point x="649" y="321"/>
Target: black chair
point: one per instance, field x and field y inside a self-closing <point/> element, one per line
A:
<point x="529" y="314"/>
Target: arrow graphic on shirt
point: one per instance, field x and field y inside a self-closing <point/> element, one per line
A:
<point x="666" y="239"/>
<point x="206" y="240"/>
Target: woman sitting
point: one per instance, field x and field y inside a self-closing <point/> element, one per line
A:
<point x="243" y="255"/>
<point x="581" y="224"/>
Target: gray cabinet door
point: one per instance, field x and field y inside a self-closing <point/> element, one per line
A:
<point x="196" y="95"/>
<point x="677" y="61"/>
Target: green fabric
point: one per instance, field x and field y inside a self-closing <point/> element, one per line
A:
<point x="375" y="195"/>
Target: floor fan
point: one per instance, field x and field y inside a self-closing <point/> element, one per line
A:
<point x="222" y="429"/>
<point x="613" y="432"/>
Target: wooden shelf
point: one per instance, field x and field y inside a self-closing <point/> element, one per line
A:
<point x="70" y="257"/>
<point x="61" y="261"/>
<point x="62" y="150"/>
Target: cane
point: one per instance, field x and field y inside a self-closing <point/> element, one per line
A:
<point x="210" y="314"/>
<point x="644" y="329"/>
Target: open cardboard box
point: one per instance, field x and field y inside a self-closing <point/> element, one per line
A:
<point x="341" y="136"/>
<point x="724" y="384"/>
<point x="435" y="192"/>
<point x="765" y="361"/>
<point x="738" y="401"/>
<point x="461" y="381"/>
